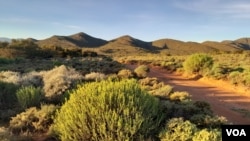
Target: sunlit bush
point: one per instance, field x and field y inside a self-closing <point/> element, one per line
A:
<point x="142" y="71"/>
<point x="95" y="76"/>
<point x="29" y="96"/>
<point x="198" y="64"/>
<point x="58" y="80"/>
<point x="33" y="120"/>
<point x="180" y="96"/>
<point x="178" y="130"/>
<point x="125" y="73"/>
<point x="109" y="110"/>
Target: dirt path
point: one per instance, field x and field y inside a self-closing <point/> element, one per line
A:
<point x="223" y="101"/>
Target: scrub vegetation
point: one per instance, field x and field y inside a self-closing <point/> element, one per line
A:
<point x="80" y="94"/>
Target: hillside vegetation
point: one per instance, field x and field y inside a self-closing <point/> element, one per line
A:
<point x="77" y="88"/>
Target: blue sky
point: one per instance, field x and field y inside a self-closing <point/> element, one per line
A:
<point x="148" y="20"/>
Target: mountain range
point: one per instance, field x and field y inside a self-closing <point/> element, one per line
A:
<point x="130" y="45"/>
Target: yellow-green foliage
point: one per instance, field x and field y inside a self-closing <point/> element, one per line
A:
<point x="207" y="135"/>
<point x="198" y="64"/>
<point x="108" y="111"/>
<point x="29" y="96"/>
<point x="179" y="130"/>
<point x="142" y="71"/>
<point x="179" y="96"/>
<point x="33" y="120"/>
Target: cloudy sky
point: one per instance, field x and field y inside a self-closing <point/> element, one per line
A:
<point x="186" y="20"/>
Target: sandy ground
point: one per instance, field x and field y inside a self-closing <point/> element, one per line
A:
<point x="224" y="100"/>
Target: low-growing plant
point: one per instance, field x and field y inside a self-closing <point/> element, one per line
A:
<point x="32" y="78"/>
<point x="142" y="71"/>
<point x="198" y="64"/>
<point x="109" y="110"/>
<point x="95" y="76"/>
<point x="7" y="95"/>
<point x="178" y="129"/>
<point x="207" y="135"/>
<point x="29" y="96"/>
<point x="125" y="73"/>
<point x="58" y="80"/>
<point x="33" y="120"/>
<point x="10" y="77"/>
<point x="150" y="83"/>
<point x="180" y="96"/>
<point x="163" y="92"/>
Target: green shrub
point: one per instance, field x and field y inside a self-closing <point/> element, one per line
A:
<point x="7" y="95"/>
<point x="163" y="92"/>
<point x="108" y="110"/>
<point x="198" y="64"/>
<point x="179" y="96"/>
<point x="178" y="130"/>
<point x="142" y="71"/>
<point x="207" y="135"/>
<point x="150" y="83"/>
<point x="235" y="77"/>
<point x="29" y="96"/>
<point x="187" y="109"/>
<point x="6" y="60"/>
<point x="33" y="120"/>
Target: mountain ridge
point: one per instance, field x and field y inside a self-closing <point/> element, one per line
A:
<point x="127" y="44"/>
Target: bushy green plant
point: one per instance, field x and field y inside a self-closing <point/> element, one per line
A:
<point x="163" y="92"/>
<point x="29" y="96"/>
<point x="187" y="109"/>
<point x="179" y="96"/>
<point x="198" y="64"/>
<point x="150" y="83"/>
<point x="235" y="77"/>
<point x="108" y="110"/>
<point x="7" y="95"/>
<point x="142" y="71"/>
<point x="209" y="121"/>
<point x="207" y="135"/>
<point x="33" y="120"/>
<point x="178" y="130"/>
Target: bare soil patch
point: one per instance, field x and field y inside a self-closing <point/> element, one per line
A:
<point x="224" y="101"/>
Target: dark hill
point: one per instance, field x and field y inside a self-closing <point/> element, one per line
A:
<point x="180" y="47"/>
<point x="73" y="41"/>
<point x="126" y="45"/>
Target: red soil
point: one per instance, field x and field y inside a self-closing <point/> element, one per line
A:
<point x="224" y="101"/>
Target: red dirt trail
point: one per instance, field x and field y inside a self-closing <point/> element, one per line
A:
<point x="221" y="99"/>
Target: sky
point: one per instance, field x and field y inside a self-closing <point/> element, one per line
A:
<point x="148" y="20"/>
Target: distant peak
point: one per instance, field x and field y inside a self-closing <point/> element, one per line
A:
<point x="81" y="34"/>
